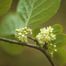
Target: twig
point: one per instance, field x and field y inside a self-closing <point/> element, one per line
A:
<point x="34" y="40"/>
<point x="28" y="45"/>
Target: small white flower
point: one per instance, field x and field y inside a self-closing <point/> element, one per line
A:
<point x="51" y="44"/>
<point x="50" y="29"/>
<point x="53" y="36"/>
<point x="54" y="45"/>
<point x="51" y="53"/>
<point x="19" y="33"/>
<point x="55" y="50"/>
<point x="18" y="30"/>
<point x="43" y="30"/>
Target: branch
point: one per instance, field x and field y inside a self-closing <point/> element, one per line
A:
<point x="28" y="45"/>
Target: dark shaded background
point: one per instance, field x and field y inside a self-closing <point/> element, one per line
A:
<point x="32" y="57"/>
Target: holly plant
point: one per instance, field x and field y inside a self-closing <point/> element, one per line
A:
<point x="25" y="27"/>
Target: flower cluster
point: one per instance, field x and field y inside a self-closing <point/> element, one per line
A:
<point x="22" y="33"/>
<point x="46" y="36"/>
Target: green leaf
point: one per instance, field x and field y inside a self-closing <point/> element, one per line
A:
<point x="36" y="12"/>
<point x="60" y="39"/>
<point x="57" y="28"/>
<point x="10" y="23"/>
<point x="4" y="6"/>
<point x="7" y="29"/>
<point x="60" y="56"/>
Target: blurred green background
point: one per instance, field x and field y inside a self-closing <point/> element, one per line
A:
<point x="32" y="57"/>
